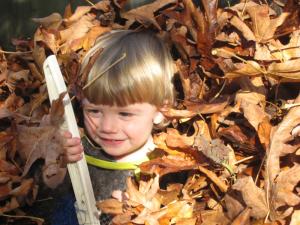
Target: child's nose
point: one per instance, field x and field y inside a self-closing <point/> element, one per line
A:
<point x="108" y="125"/>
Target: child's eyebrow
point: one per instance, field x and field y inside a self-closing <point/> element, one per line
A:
<point x="130" y="108"/>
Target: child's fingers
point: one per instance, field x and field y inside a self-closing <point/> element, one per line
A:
<point x="73" y="154"/>
<point x="73" y="150"/>
<point x="69" y="158"/>
<point x="66" y="134"/>
<point x="70" y="142"/>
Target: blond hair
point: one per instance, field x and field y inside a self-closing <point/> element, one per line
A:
<point x="144" y="75"/>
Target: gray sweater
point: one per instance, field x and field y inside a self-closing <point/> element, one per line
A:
<point x="104" y="181"/>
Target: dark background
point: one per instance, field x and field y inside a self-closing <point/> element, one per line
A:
<point x="15" y="15"/>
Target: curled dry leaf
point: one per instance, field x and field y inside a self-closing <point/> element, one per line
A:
<point x="48" y="38"/>
<point x="11" y="205"/>
<point x="165" y="165"/>
<point x="243" y="218"/>
<point x="79" y="12"/>
<point x="215" y="150"/>
<point x="111" y="206"/>
<point x="252" y="196"/>
<point x="145" y="14"/>
<point x="263" y="26"/>
<point x="52" y="21"/>
<point x="145" y="194"/>
<point x="75" y="32"/>
<point x="295" y="218"/>
<point x="281" y="145"/>
<point x="210" y="217"/>
<point x="45" y="143"/>
<point x="275" y="50"/>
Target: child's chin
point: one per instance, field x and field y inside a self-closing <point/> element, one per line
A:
<point x="117" y="153"/>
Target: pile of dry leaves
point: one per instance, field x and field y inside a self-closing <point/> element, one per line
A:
<point x="234" y="132"/>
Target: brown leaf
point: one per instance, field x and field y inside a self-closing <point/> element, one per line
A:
<point x="241" y="26"/>
<point x="207" y="108"/>
<point x="25" y="187"/>
<point x="214" y="150"/>
<point x="35" y="72"/>
<point x="206" y="24"/>
<point x="262" y="26"/>
<point x="124" y="218"/>
<point x="160" y="141"/>
<point x="145" y="194"/>
<point x="5" y="190"/>
<point x="283" y="188"/>
<point x="165" y="165"/>
<point x="275" y="50"/>
<point x="252" y="196"/>
<point x="110" y="206"/>
<point x="280" y="144"/>
<point x="174" y="140"/>
<point x="145" y="14"/>
<point x="39" y="55"/>
<point x="175" y="211"/>
<point x="40" y="142"/>
<point x="241" y="137"/>
<point x="179" y="39"/>
<point x="251" y="68"/>
<point x="171" y="194"/>
<point x="103" y="5"/>
<point x="243" y="218"/>
<point x="210" y="217"/>
<point x="264" y="132"/>
<point x="48" y="38"/>
<point x="175" y="113"/>
<point x="289" y="70"/>
<point x="183" y="70"/>
<point x="57" y="111"/>
<point x="295" y="218"/>
<point x="214" y="178"/>
<point x="68" y="11"/>
<point x="6" y="166"/>
<point x="52" y="21"/>
<point x="5" y="137"/>
<point x="186" y="221"/>
<point x="78" y="14"/>
<point x="46" y="143"/>
<point x="10" y="205"/>
<point x="89" y="39"/>
<point x="252" y="91"/>
<point x="76" y="31"/>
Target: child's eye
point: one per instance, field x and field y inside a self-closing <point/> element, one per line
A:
<point x="125" y="114"/>
<point x="93" y="112"/>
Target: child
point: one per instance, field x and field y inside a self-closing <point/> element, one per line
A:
<point x="121" y="107"/>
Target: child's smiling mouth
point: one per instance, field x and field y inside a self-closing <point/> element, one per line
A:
<point x="110" y="142"/>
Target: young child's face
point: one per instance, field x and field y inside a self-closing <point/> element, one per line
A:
<point x="119" y="130"/>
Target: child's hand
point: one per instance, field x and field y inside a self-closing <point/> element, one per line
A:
<point x="73" y="150"/>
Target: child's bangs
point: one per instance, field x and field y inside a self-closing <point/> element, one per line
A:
<point x="143" y="75"/>
<point x="120" y="86"/>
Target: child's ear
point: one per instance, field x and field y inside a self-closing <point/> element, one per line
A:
<point x="158" y="118"/>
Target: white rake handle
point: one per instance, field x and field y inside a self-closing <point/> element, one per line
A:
<point x="86" y="210"/>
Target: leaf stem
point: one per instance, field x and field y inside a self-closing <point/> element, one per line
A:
<point x="26" y="217"/>
<point x="100" y="74"/>
<point x="88" y="1"/>
<point x="17" y="53"/>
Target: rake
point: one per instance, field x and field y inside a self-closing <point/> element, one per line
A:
<point x="87" y="213"/>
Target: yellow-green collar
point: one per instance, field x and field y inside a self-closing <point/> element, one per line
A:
<point x="113" y="165"/>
